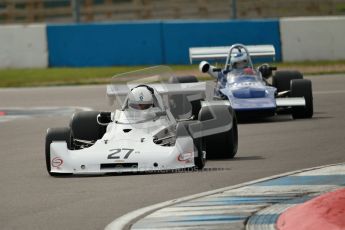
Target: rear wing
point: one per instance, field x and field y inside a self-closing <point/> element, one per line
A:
<point x="198" y="89"/>
<point x="222" y="52"/>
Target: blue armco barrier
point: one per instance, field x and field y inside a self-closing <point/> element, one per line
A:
<point x="179" y="36"/>
<point x="105" y="44"/>
<point x="151" y="43"/>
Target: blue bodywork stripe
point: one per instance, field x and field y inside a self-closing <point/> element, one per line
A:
<point x="254" y="109"/>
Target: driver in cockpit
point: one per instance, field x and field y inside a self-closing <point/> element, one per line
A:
<point x="239" y="65"/>
<point x="141" y="98"/>
<point x="140" y="104"/>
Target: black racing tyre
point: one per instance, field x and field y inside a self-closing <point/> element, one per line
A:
<point x="281" y="79"/>
<point x="221" y="145"/>
<point x="56" y="134"/>
<point x="196" y="106"/>
<point x="183" y="130"/>
<point x="199" y="160"/>
<point x="182" y="99"/>
<point x="183" y="79"/>
<point x="179" y="106"/>
<point x="84" y="126"/>
<point x="302" y="88"/>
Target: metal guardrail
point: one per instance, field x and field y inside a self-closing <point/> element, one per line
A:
<point x="27" y="11"/>
<point x="109" y="10"/>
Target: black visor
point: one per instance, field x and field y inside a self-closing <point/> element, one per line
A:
<point x="140" y="106"/>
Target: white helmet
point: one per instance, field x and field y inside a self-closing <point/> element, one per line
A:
<point x="239" y="61"/>
<point x="140" y="98"/>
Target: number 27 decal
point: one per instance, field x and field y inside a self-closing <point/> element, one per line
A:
<point x="114" y="153"/>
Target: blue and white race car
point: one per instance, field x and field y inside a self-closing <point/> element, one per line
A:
<point x="248" y="89"/>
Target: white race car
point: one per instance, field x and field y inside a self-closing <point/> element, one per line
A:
<point x="176" y="132"/>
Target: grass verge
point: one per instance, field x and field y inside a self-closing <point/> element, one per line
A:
<point x="102" y="75"/>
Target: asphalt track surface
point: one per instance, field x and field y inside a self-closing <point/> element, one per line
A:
<point x="31" y="199"/>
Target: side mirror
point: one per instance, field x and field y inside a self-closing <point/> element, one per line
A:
<point x="204" y="66"/>
<point x="266" y="70"/>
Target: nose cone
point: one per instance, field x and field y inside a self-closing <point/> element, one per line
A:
<point x="249" y="92"/>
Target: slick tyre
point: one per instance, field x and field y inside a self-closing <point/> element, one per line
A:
<point x="302" y="88"/>
<point x="200" y="159"/>
<point x="56" y="134"/>
<point x="84" y="126"/>
<point x="182" y="129"/>
<point x="182" y="99"/>
<point x="222" y="145"/>
<point x="183" y="79"/>
<point x="282" y="79"/>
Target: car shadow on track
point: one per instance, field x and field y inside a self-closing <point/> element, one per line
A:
<point x="281" y="118"/>
<point x="247" y="158"/>
<point x="162" y="172"/>
<point x="143" y="173"/>
<point x="256" y="120"/>
<point x="239" y="158"/>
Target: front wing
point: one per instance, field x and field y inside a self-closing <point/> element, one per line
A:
<point x="125" y="156"/>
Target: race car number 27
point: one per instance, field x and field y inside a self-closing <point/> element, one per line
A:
<point x="116" y="152"/>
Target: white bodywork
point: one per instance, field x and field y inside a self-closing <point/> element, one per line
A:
<point x="137" y="148"/>
<point x="128" y="143"/>
<point x="128" y="146"/>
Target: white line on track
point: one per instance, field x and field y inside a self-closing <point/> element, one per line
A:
<point x="13" y="113"/>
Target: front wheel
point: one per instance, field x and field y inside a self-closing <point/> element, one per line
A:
<point x="84" y="126"/>
<point x="56" y="134"/>
<point x="302" y="88"/>
<point x="182" y="129"/>
<point x="199" y="159"/>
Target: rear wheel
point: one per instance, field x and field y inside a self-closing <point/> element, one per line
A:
<point x="282" y="79"/>
<point x="221" y="145"/>
<point x="56" y="134"/>
<point x="179" y="101"/>
<point x="183" y="79"/>
<point x="302" y="88"/>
